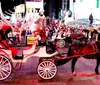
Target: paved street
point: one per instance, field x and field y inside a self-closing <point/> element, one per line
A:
<point x="27" y="75"/>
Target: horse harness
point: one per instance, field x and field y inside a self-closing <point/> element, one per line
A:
<point x="95" y="48"/>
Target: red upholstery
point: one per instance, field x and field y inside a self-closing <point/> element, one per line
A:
<point x="14" y="51"/>
<point x="5" y="28"/>
<point x="5" y="44"/>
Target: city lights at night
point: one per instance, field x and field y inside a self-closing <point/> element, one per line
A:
<point x="49" y="42"/>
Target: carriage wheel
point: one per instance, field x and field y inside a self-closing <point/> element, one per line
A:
<point x="5" y="67"/>
<point x="47" y="69"/>
<point x="61" y="43"/>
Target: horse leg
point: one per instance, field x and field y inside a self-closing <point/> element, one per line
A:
<point x="73" y="64"/>
<point x="97" y="66"/>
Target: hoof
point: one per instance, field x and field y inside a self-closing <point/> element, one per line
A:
<point x="97" y="72"/>
<point x="73" y="73"/>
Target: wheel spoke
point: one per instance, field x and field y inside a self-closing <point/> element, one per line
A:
<point x="41" y="71"/>
<point x="46" y="75"/>
<point x="3" y="73"/>
<point x="7" y="71"/>
<point x="50" y="64"/>
<point x="52" y="69"/>
<point x="5" y="67"/>
<point x="1" y="76"/>
<point x="41" y="68"/>
<point x="47" y="63"/>
<point x="50" y="73"/>
<point x="1" y="60"/>
<point x="43" y="65"/>
<point x="43" y="74"/>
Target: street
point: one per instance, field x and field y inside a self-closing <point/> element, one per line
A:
<point x="27" y="75"/>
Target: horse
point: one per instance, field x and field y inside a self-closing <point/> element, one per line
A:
<point x="89" y="51"/>
<point x="83" y="48"/>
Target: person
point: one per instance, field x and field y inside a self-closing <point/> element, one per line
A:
<point x="39" y="21"/>
<point x="91" y="19"/>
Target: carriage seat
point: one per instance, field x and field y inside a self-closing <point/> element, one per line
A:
<point x="14" y="51"/>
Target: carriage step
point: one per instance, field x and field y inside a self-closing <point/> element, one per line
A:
<point x="18" y="57"/>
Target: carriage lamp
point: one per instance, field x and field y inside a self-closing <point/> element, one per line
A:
<point x="96" y="37"/>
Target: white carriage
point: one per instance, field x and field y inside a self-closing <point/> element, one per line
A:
<point x="11" y="54"/>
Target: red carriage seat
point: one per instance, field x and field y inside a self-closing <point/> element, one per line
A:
<point x="3" y="34"/>
<point x="4" y="43"/>
<point x="14" y="51"/>
<point x="6" y="29"/>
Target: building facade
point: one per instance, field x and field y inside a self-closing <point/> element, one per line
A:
<point x="54" y="7"/>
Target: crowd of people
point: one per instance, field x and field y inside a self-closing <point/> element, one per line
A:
<point x="39" y="26"/>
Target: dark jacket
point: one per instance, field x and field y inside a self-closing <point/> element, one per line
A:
<point x="91" y="19"/>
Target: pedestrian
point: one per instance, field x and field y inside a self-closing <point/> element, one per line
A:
<point x="91" y="19"/>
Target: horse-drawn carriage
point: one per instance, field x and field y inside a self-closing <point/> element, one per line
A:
<point x="11" y="54"/>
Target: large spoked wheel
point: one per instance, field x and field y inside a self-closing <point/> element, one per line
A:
<point x="47" y="69"/>
<point x="5" y="67"/>
<point x="61" y="43"/>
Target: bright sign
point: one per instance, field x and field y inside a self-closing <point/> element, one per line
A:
<point x="30" y="40"/>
